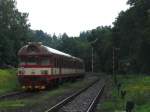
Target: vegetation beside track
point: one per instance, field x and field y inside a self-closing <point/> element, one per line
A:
<point x="137" y="89"/>
<point x="8" y="81"/>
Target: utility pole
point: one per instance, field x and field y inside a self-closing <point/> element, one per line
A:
<point x="92" y="58"/>
<point x="114" y="57"/>
<point x="92" y="66"/>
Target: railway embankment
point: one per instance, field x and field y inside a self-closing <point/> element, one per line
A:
<point x="8" y="81"/>
<point x="135" y="90"/>
<point x="42" y="100"/>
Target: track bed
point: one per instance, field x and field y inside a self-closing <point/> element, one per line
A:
<point x="44" y="100"/>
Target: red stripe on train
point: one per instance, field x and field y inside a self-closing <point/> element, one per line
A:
<point x="37" y="76"/>
<point x="36" y="66"/>
<point x="49" y="76"/>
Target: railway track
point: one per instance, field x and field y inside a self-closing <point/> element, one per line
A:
<point x="12" y="94"/>
<point x="84" y="100"/>
<point x="22" y="94"/>
<point x="19" y="95"/>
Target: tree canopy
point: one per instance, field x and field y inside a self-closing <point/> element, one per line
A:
<point x="130" y="34"/>
<point x="13" y="31"/>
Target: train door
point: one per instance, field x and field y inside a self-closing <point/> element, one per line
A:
<point x="60" y="65"/>
<point x="52" y="65"/>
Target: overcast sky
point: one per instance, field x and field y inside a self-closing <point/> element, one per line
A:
<point x="70" y="16"/>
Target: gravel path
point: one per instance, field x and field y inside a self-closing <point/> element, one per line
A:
<point x="83" y="101"/>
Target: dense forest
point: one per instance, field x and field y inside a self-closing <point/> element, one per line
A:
<point x="126" y="43"/>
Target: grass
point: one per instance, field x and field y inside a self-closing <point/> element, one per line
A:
<point x="138" y="91"/>
<point x="12" y="104"/>
<point x="8" y="80"/>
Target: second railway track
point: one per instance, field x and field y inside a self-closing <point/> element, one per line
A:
<point x="12" y="94"/>
<point x="18" y="95"/>
<point x="82" y="101"/>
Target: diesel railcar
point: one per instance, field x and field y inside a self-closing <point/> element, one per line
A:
<point x="41" y="66"/>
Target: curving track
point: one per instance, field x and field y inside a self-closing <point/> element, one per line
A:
<point x="82" y="101"/>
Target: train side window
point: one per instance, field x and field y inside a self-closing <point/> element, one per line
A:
<point x="65" y="63"/>
<point x="50" y="61"/>
<point x="61" y="62"/>
<point x="55" y="62"/>
<point x="58" y="62"/>
<point x="70" y="63"/>
<point x="44" y="61"/>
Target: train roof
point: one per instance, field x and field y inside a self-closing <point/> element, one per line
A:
<point x="36" y="48"/>
<point x="54" y="51"/>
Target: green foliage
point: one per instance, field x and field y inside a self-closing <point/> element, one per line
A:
<point x="8" y="80"/>
<point x="11" y="104"/>
<point x="130" y="33"/>
<point x="138" y="89"/>
<point x="40" y="98"/>
<point x="13" y="31"/>
<point x="100" y="39"/>
<point x="144" y="108"/>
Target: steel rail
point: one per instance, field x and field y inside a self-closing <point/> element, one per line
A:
<point x="68" y="99"/>
<point x="10" y="95"/>
<point x="95" y="101"/>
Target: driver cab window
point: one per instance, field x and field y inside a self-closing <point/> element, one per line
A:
<point x="32" y="60"/>
<point x="44" y="61"/>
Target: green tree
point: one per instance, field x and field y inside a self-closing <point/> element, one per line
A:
<point x="13" y="31"/>
<point x="131" y="35"/>
<point x="101" y="39"/>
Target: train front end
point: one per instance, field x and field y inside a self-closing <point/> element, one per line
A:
<point x="34" y="70"/>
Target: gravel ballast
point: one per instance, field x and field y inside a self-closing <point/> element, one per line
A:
<point x="83" y="101"/>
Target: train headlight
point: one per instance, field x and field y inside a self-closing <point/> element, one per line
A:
<point x="21" y="72"/>
<point x="32" y="72"/>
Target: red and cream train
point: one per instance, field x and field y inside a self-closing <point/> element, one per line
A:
<point x="41" y="66"/>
